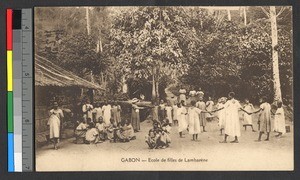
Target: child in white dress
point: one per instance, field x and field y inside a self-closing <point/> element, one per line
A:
<point x="279" y="121"/>
<point x="181" y="117"/>
<point x="248" y="118"/>
<point x="169" y="109"/>
<point x="194" y="123"/>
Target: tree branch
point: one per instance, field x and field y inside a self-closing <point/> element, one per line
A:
<point x="265" y="11"/>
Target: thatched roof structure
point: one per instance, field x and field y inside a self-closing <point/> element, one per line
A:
<point x="50" y="74"/>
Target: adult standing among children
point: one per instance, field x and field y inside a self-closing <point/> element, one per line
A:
<point x="106" y="112"/>
<point x="232" y="121"/>
<point x="56" y="116"/>
<point x="264" y="119"/>
<point x="182" y="96"/>
<point x="135" y="115"/>
<point x="200" y="94"/>
<point x="87" y="110"/>
<point x="192" y="96"/>
<point x="202" y="117"/>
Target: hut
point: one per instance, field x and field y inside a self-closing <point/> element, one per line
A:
<point x="53" y="83"/>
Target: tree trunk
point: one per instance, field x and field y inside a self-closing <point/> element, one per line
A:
<point x="229" y="15"/>
<point x="153" y="84"/>
<point x="245" y="16"/>
<point x="88" y="28"/>
<point x="276" y="78"/>
<point x="157" y="82"/>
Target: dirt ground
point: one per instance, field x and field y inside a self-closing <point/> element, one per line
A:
<point x="277" y="154"/>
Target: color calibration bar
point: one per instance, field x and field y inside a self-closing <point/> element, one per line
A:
<point x="20" y="90"/>
<point x="10" y="113"/>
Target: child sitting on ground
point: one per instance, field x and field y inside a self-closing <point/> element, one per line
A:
<point x="80" y="132"/>
<point x="100" y="126"/>
<point x="91" y="135"/>
<point x="111" y="131"/>
<point x="152" y="137"/>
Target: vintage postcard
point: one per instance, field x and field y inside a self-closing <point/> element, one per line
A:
<point x="164" y="88"/>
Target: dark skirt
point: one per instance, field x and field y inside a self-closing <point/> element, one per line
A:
<point x="135" y="120"/>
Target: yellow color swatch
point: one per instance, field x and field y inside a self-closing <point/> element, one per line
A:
<point x="9" y="71"/>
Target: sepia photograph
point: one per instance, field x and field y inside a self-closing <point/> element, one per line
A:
<point x="164" y="88"/>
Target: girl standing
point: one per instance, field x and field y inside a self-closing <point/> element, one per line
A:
<point x="202" y="117"/>
<point x="279" y="120"/>
<point x="181" y="117"/>
<point x="161" y="110"/>
<point x="97" y="111"/>
<point x="221" y="113"/>
<point x="116" y="112"/>
<point x="168" y="109"/>
<point x="209" y="107"/>
<point x="106" y="112"/>
<point x="182" y="96"/>
<point x="264" y="119"/>
<point x="135" y="115"/>
<point x="175" y="118"/>
<point x="194" y="123"/>
<point x="55" y="117"/>
<point x="248" y="118"/>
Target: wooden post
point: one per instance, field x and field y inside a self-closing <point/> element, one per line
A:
<point x="274" y="35"/>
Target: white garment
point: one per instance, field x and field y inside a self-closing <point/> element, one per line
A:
<point x="98" y="112"/>
<point x="175" y="107"/>
<point x="247" y="117"/>
<point x="181" y="117"/>
<point x="221" y="115"/>
<point x="232" y="122"/>
<point x="209" y="107"/>
<point x="279" y="121"/>
<point x="169" y="113"/>
<point x="87" y="110"/>
<point x="54" y="122"/>
<point x="106" y="113"/>
<point x="194" y="123"/>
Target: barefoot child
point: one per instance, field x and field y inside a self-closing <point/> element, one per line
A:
<point x="202" y="106"/>
<point x="279" y="121"/>
<point x="55" y="118"/>
<point x="161" y="110"/>
<point x="181" y="116"/>
<point x="194" y="123"/>
<point x="221" y="114"/>
<point x="97" y="111"/>
<point x="100" y="126"/>
<point x="168" y="109"/>
<point x="209" y="107"/>
<point x="232" y="122"/>
<point x="248" y="118"/>
<point x="80" y="131"/>
<point x="116" y="112"/>
<point x="175" y="118"/>
<point x="264" y="119"/>
<point x="106" y="112"/>
<point x="91" y="135"/>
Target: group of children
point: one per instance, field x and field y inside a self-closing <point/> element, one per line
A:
<point x="159" y="135"/>
<point x="195" y="115"/>
<point x="93" y="132"/>
<point x="107" y="111"/>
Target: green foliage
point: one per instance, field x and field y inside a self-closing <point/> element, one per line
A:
<point x="235" y="57"/>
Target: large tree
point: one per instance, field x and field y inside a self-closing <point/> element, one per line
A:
<point x="147" y="40"/>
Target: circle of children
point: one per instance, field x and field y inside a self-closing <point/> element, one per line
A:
<point x="186" y="113"/>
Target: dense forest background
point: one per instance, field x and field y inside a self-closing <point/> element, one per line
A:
<point x="134" y="50"/>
